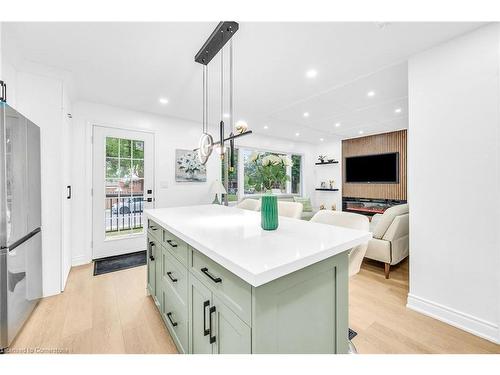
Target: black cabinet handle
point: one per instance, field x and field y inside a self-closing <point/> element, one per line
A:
<point x="169" y="316"/>
<point x="169" y="274"/>
<point x="151" y="257"/>
<point x="69" y="192"/>
<point x="172" y="243"/>
<point x="152" y="227"/>
<point x="205" y="330"/>
<point x="213" y="278"/>
<point x="211" y="311"/>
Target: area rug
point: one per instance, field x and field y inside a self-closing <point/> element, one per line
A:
<point x="119" y="262"/>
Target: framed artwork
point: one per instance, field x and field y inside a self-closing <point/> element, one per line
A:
<point x="188" y="168"/>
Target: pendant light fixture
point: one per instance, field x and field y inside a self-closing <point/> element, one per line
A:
<point x="214" y="44"/>
<point x="206" y="142"/>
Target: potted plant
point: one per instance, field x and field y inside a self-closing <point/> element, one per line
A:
<point x="269" y="172"/>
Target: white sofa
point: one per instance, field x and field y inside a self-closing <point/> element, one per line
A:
<point x="390" y="242"/>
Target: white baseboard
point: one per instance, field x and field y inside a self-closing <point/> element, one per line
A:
<point x="468" y="323"/>
<point x="79" y="260"/>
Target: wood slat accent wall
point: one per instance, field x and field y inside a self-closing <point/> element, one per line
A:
<point x="376" y="144"/>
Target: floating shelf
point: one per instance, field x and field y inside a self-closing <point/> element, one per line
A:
<point x="328" y="162"/>
<point x="324" y="189"/>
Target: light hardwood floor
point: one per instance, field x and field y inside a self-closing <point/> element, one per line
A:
<point x="378" y="313"/>
<point x="112" y="314"/>
<point x="109" y="313"/>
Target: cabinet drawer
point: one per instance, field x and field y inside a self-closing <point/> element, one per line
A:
<point x="154" y="230"/>
<point x="175" y="315"/>
<point x="233" y="291"/>
<point x="175" y="275"/>
<point x="176" y="246"/>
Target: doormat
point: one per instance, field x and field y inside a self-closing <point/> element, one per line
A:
<point x="119" y="262"/>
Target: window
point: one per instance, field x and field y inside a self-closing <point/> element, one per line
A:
<point x="257" y="171"/>
<point x="296" y="172"/>
<point x="124" y="186"/>
<point x="232" y="185"/>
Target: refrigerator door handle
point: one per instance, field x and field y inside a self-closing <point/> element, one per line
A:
<point x="23" y="240"/>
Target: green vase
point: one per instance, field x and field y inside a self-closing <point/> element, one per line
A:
<point x="269" y="212"/>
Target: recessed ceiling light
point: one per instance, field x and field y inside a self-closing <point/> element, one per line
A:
<point x="397" y="110"/>
<point x="225" y="115"/>
<point x="306" y="114"/>
<point x="361" y="132"/>
<point x="297" y="134"/>
<point x="311" y="73"/>
<point x="266" y="127"/>
<point x="337" y="124"/>
<point x="370" y="93"/>
<point x="163" y="100"/>
<point x="321" y="139"/>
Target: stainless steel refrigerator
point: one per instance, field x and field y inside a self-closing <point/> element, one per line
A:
<point x="20" y="222"/>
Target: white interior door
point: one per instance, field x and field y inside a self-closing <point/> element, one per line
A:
<point x="122" y="188"/>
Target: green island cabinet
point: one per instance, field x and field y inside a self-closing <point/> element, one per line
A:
<point x="209" y="310"/>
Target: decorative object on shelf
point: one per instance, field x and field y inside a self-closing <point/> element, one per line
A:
<point x="269" y="212"/>
<point x="217" y="189"/>
<point x="268" y="171"/>
<point x="328" y="162"/>
<point x="188" y="168"/>
<point x="322" y="207"/>
<point x="334" y="207"/>
<point x="323" y="184"/>
<point x="332" y="184"/>
<point x="321" y="158"/>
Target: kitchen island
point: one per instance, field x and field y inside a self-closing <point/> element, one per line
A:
<point x="224" y="285"/>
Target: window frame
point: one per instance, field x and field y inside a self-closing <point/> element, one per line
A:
<point x="241" y="172"/>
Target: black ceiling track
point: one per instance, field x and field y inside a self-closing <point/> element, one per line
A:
<point x="219" y="37"/>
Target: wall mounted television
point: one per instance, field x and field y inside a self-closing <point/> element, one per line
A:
<point x="372" y="169"/>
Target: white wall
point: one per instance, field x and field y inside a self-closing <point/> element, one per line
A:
<point x="1" y="78"/>
<point x="170" y="134"/>
<point x="454" y="183"/>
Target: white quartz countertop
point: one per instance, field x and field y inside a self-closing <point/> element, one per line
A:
<point x="233" y="238"/>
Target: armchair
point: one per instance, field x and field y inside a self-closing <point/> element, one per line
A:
<point x="390" y="242"/>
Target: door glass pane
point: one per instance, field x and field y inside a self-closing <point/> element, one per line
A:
<point x="112" y="147"/>
<point x="138" y="150"/>
<point x="137" y="168"/>
<point x="124" y="201"/>
<point x="112" y="168"/>
<point x="125" y="168"/>
<point x="125" y="148"/>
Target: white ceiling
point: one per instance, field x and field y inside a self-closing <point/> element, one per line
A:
<point x="133" y="64"/>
